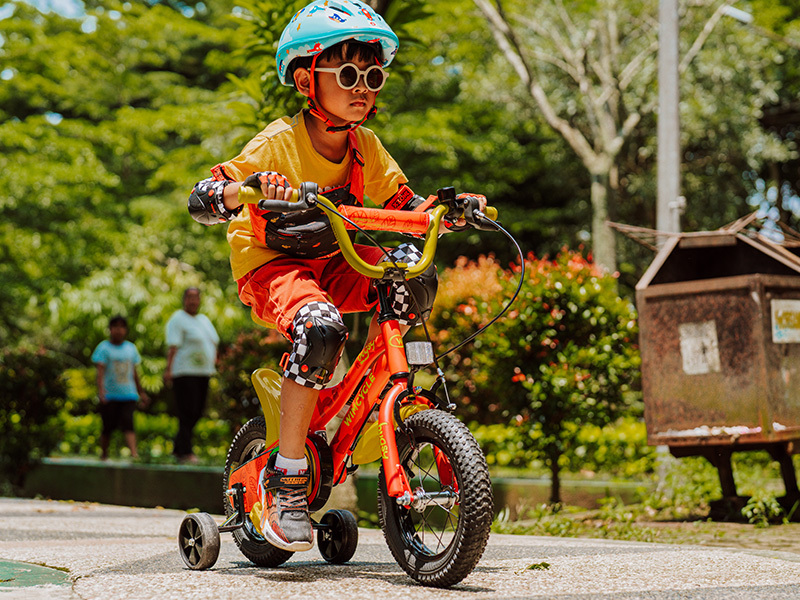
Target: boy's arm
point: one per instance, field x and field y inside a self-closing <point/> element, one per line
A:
<point x="101" y="390"/>
<point x="216" y="199"/>
<point x="170" y="359"/>
<point x="143" y="397"/>
<point x="406" y="199"/>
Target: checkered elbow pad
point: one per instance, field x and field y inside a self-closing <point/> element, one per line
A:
<point x="296" y="366"/>
<point x="402" y="302"/>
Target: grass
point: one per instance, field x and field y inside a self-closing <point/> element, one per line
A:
<point x="675" y="510"/>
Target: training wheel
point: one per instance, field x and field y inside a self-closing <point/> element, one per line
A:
<point x="338" y="540"/>
<point x="198" y="541"/>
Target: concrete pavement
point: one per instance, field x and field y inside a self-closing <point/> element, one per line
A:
<point x="112" y="552"/>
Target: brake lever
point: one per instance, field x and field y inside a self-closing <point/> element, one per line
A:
<point x="447" y="196"/>
<point x="480" y="221"/>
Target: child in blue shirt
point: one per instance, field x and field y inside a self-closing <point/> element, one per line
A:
<point x="118" y="385"/>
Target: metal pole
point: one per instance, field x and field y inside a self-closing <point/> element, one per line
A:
<point x="669" y="150"/>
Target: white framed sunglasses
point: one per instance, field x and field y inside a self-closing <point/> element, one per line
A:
<point x="348" y="75"/>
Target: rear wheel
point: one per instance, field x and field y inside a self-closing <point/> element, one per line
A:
<point x="248" y="444"/>
<point x="439" y="539"/>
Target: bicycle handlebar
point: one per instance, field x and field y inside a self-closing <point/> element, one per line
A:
<point x="379" y="219"/>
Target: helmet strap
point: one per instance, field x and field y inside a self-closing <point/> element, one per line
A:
<point x="314" y="110"/>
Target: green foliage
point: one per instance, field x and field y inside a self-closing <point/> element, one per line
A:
<point x="612" y="521"/>
<point x="262" y="25"/>
<point x="685" y="489"/>
<point x="267" y="99"/>
<point x="236" y="401"/>
<point x="617" y="450"/>
<point x="763" y="509"/>
<point x="103" y="131"/>
<point x="31" y="392"/>
<point x="563" y="357"/>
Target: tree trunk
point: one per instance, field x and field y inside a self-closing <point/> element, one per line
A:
<point x="603" y="243"/>
<point x="555" y="477"/>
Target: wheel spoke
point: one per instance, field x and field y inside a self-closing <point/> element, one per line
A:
<point x="437" y="528"/>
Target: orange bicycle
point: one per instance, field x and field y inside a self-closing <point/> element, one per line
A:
<point x="435" y="497"/>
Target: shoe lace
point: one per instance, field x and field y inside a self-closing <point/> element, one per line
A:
<point x="294" y="498"/>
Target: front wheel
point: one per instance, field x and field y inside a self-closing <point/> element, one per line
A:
<point x="439" y="539"/>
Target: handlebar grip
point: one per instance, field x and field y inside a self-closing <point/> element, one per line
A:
<point x="302" y="199"/>
<point x="281" y="206"/>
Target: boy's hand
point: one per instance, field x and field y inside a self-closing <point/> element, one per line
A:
<point x="274" y="186"/>
<point x="461" y="224"/>
<point x="479" y="197"/>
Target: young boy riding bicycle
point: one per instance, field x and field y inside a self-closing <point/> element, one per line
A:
<point x="288" y="266"/>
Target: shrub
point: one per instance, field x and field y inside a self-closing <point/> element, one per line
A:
<point x="618" y="450"/>
<point x="564" y="357"/>
<point x="31" y="393"/>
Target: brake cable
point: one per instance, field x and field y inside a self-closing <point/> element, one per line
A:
<point x="414" y="298"/>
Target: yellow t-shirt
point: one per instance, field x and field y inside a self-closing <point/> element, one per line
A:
<point x="284" y="146"/>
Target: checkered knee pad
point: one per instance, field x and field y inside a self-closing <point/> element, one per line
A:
<point x="424" y="287"/>
<point x="318" y="335"/>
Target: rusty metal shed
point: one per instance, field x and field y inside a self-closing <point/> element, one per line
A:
<point x="719" y="315"/>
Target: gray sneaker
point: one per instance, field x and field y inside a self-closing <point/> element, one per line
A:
<point x="285" y="521"/>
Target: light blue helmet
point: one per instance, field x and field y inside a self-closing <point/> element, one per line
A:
<point x="325" y="23"/>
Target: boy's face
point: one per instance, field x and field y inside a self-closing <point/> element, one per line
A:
<point x="117" y="333"/>
<point x="344" y="106"/>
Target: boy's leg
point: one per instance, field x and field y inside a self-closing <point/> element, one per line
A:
<point x="108" y="428"/>
<point x="182" y="444"/>
<point x="297" y="408"/>
<point x="126" y="425"/>
<point x="285" y="521"/>
<point x="318" y="335"/>
<point x="130" y="441"/>
<point x="104" y="439"/>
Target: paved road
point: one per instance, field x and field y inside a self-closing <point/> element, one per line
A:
<point x="113" y="552"/>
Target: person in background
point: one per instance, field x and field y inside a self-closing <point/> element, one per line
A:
<point x="191" y="360"/>
<point x="118" y="385"/>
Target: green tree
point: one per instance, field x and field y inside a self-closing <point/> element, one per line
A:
<point x="31" y="392"/>
<point x="590" y="69"/>
<point x="565" y="356"/>
<point x="105" y="123"/>
<point x="456" y="122"/>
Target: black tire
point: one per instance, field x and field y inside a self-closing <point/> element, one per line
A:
<point x="438" y="545"/>
<point x="338" y="541"/>
<point x="248" y="443"/>
<point x="198" y="541"/>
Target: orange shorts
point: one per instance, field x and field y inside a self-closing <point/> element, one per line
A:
<point x="276" y="291"/>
